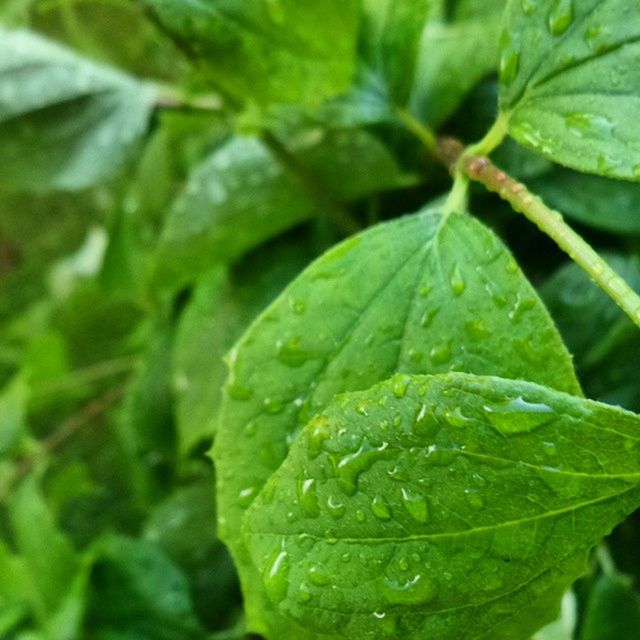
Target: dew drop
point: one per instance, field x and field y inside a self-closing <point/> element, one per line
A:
<point x="360" y="516"/>
<point x="291" y="353"/>
<point x="320" y="432"/>
<point x="239" y="392"/>
<point x="400" y="385"/>
<point x="456" y="418"/>
<point x="509" y="66"/>
<point x="477" y="330"/>
<point x="528" y="7"/>
<point x="416" y="505"/>
<point x="457" y="281"/>
<point x="352" y="465"/>
<point x="415" y="591"/>
<point x="474" y="498"/>
<point x="304" y="593"/>
<point x="246" y="496"/>
<point x="308" y="497"/>
<point x="518" y="415"/>
<point x="403" y="564"/>
<point x="440" y="354"/>
<point x="380" y="508"/>
<point x="427" y="317"/>
<point x="336" y="509"/>
<point x="318" y="577"/>
<point x="560" y="17"/>
<point x="276" y="576"/>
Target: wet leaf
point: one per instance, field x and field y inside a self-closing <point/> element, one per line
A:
<point x="570" y="79"/>
<point x="429" y="505"/>
<point x="66" y="122"/>
<point x="420" y="294"/>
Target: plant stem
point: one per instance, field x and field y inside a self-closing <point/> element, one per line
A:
<point x="421" y="131"/>
<point x="551" y="222"/>
<point x="172" y="98"/>
<point x="494" y="138"/>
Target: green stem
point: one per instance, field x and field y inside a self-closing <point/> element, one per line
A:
<point x="172" y="98"/>
<point x="605" y="560"/>
<point x="551" y="222"/>
<point x="421" y="131"/>
<point x="494" y="138"/>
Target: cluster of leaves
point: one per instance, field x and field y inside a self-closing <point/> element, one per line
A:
<point x="167" y="168"/>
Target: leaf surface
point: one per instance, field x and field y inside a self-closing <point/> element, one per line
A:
<point x="273" y="51"/>
<point x="420" y="294"/>
<point x="66" y="123"/>
<point x="570" y="82"/>
<point x="442" y="506"/>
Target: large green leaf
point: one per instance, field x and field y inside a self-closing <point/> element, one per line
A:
<point x="269" y="51"/>
<point x="570" y="82"/>
<point x="243" y="195"/>
<point x="455" y="53"/>
<point x="65" y="122"/>
<point x="430" y="505"/>
<point x="421" y="294"/>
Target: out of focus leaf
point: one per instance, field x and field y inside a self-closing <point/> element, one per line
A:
<point x="65" y="122"/>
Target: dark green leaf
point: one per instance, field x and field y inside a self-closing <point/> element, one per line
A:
<point x="429" y="505"/>
<point x="570" y="81"/>
<point x="276" y="51"/>
<point x="601" y="203"/>
<point x="65" y="122"/>
<point x="613" y="610"/>
<point x="242" y="195"/>
<point x="421" y="294"/>
<point x="137" y="592"/>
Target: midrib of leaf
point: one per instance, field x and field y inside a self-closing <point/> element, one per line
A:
<point x="455" y="535"/>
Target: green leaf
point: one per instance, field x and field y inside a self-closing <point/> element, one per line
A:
<point x="421" y="294"/>
<point x="613" y="609"/>
<point x="570" y="81"/>
<point x="138" y="592"/>
<point x="66" y="123"/>
<point x="455" y="53"/>
<point x="51" y="566"/>
<point x="242" y="195"/>
<point x="184" y="526"/>
<point x="13" y="409"/>
<point x="277" y="51"/>
<point x="429" y="505"/>
<point x="601" y="203"/>
<point x="222" y="306"/>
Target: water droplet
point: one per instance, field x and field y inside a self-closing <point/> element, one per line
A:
<point x="336" y="509"/>
<point x="477" y="330"/>
<point x="298" y="306"/>
<point x="521" y="307"/>
<point x="427" y="317"/>
<point x="440" y="354"/>
<point x="589" y="125"/>
<point x="403" y="564"/>
<point x="361" y="409"/>
<point x="308" y="497"/>
<point x="549" y="448"/>
<point x="529" y="7"/>
<point x="400" y="385"/>
<point x="273" y="406"/>
<point x="518" y="415"/>
<point x="250" y="429"/>
<point x="318" y="576"/>
<point x="319" y="433"/>
<point x="352" y="465"/>
<point x="246" y="496"/>
<point x="360" y="516"/>
<point x="380" y="508"/>
<point x="417" y="590"/>
<point x="456" y="418"/>
<point x="457" y="281"/>
<point x="276" y="576"/>
<point x="291" y="353"/>
<point x="239" y="392"/>
<point x="560" y="17"/>
<point x="304" y="593"/>
<point x="416" y="505"/>
<point x="474" y="498"/>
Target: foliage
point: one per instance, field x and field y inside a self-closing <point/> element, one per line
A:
<point x="262" y="373"/>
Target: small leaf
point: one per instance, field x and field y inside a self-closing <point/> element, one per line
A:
<point x="421" y="294"/>
<point x="517" y="483"/>
<point x="570" y="81"/>
<point x="454" y="55"/>
<point x="242" y="195"/>
<point x="274" y="51"/>
<point x="65" y="122"/>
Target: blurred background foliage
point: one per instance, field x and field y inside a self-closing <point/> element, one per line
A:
<point x="121" y="291"/>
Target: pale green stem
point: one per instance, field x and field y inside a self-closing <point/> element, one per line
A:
<point x="605" y="560"/>
<point x="421" y="131"/>
<point x="553" y="224"/>
<point x="173" y="98"/>
<point x="494" y="138"/>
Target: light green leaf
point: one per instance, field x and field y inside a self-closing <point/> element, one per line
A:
<point x="429" y="505"/>
<point x="570" y="82"/>
<point x="601" y="203"/>
<point x="274" y="51"/>
<point x="65" y="122"/>
<point x="242" y="195"/>
<point x="455" y="53"/>
<point x="421" y="294"/>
